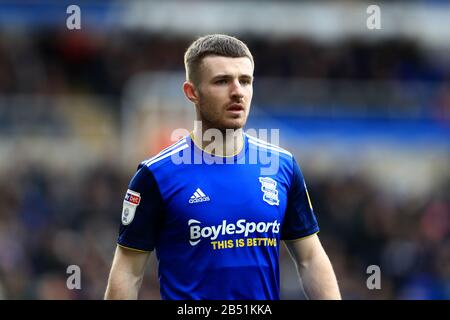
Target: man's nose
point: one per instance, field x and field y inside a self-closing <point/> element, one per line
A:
<point x="237" y="90"/>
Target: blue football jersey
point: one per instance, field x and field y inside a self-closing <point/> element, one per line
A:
<point x="216" y="222"/>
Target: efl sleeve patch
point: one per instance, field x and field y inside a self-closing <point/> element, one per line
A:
<point x="130" y="203"/>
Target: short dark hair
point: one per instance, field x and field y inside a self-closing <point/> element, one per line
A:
<point x="212" y="45"/>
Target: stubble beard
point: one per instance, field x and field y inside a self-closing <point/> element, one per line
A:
<point x="211" y="121"/>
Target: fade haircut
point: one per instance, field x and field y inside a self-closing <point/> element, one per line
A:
<point x="212" y="45"/>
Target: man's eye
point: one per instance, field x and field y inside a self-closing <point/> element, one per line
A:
<point x="221" y="81"/>
<point x="246" y="82"/>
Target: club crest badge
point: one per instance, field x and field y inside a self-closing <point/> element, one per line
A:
<point x="269" y="189"/>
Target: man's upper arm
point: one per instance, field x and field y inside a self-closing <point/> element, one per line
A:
<point x="130" y="261"/>
<point x="305" y="249"/>
<point x="299" y="219"/>
<point x="142" y="213"/>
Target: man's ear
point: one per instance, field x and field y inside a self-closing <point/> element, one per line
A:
<point x="190" y="92"/>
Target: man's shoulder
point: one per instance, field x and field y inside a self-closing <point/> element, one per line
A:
<point x="269" y="148"/>
<point x="167" y="156"/>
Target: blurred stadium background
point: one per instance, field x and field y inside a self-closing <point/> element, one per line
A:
<point x="366" y="113"/>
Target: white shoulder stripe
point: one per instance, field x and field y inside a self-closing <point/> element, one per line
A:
<point x="259" y="141"/>
<point x="182" y="147"/>
<point x="264" y="142"/>
<point x="169" y="148"/>
<point x="270" y="147"/>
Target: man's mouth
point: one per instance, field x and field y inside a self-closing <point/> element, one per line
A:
<point x="235" y="107"/>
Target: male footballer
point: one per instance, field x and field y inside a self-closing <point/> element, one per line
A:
<point x="206" y="207"/>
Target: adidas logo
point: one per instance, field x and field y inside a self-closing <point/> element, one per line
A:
<point x="198" y="196"/>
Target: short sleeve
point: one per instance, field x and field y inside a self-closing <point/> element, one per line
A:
<point x="142" y="212"/>
<point x="299" y="220"/>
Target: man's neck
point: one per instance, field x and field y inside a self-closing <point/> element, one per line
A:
<point x="223" y="143"/>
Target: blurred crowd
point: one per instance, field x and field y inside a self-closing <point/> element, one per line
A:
<point x="408" y="239"/>
<point x="56" y="62"/>
<point x="50" y="220"/>
<point x="52" y="62"/>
